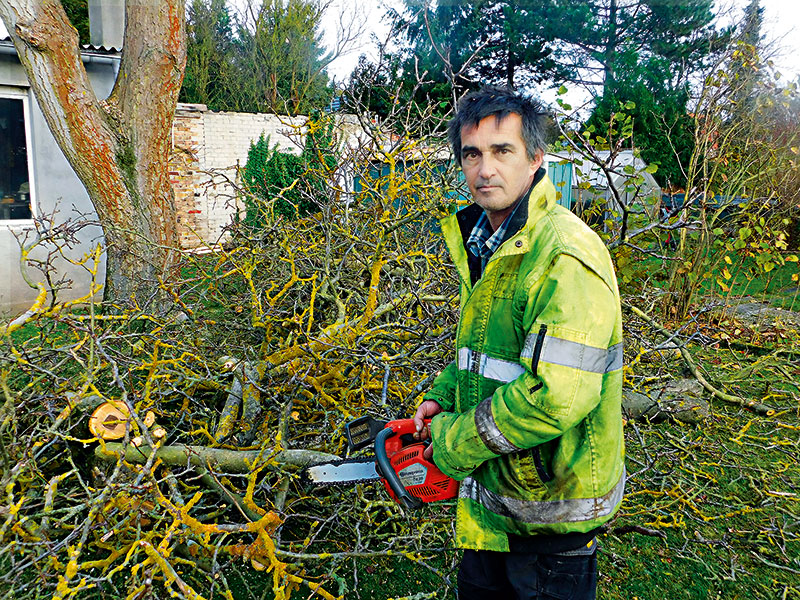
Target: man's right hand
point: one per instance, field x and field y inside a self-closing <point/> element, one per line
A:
<point x="426" y="410"/>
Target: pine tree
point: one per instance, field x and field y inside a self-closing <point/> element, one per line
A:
<point x="209" y="61"/>
<point x="269" y="58"/>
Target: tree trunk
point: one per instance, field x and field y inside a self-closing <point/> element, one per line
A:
<point x="610" y="51"/>
<point x="118" y="147"/>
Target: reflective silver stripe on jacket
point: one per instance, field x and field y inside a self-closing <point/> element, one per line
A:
<point x="537" y="512"/>
<point x="558" y="351"/>
<point x="486" y="366"/>
<point x="488" y="431"/>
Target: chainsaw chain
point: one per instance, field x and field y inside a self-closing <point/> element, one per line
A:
<point x="335" y="463"/>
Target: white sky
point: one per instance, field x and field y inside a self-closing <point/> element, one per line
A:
<point x="781" y="23"/>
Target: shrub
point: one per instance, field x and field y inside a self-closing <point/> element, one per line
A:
<point x="286" y="184"/>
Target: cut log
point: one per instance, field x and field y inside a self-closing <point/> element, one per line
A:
<point x="109" y="421"/>
<point x="218" y="459"/>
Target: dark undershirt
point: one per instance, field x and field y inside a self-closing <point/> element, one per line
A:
<point x="550" y="544"/>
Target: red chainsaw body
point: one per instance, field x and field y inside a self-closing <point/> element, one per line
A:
<point x="421" y="477"/>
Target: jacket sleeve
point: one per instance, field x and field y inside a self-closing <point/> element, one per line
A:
<point x="569" y="322"/>
<point x="443" y="389"/>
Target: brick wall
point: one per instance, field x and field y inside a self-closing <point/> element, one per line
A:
<point x="207" y="150"/>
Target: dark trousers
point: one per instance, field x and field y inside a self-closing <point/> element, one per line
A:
<point x="487" y="575"/>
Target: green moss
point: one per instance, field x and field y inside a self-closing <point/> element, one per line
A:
<point x="127" y="162"/>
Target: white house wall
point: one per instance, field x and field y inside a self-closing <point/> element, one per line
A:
<point x="56" y="191"/>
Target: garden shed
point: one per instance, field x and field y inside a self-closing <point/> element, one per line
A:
<point x="580" y="182"/>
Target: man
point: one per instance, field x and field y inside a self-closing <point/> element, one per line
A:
<point x="528" y="415"/>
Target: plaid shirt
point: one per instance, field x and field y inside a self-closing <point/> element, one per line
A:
<point x="483" y="242"/>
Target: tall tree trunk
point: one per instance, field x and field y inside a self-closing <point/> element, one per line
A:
<point x="510" y="68"/>
<point x="118" y="147"/>
<point x="610" y="51"/>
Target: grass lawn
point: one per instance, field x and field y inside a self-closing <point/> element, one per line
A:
<point x="743" y="278"/>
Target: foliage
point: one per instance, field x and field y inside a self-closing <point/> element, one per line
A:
<point x="286" y="184"/>
<point x="373" y="86"/>
<point x="208" y="78"/>
<point x="736" y="179"/>
<point x="606" y="38"/>
<point x="639" y="53"/>
<point x="78" y="14"/>
<point x="647" y="53"/>
<point x="451" y="48"/>
<point x="747" y="75"/>
<point x="662" y="129"/>
<point x="488" y="41"/>
<point x="267" y="58"/>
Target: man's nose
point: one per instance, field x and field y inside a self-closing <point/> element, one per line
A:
<point x="487" y="168"/>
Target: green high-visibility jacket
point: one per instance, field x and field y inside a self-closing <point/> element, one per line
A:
<point x="532" y="424"/>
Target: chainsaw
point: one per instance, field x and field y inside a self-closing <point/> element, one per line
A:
<point x="410" y="479"/>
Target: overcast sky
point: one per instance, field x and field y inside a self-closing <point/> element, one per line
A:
<point x="781" y="23"/>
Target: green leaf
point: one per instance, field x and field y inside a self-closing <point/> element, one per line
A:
<point x="562" y="90"/>
<point x="651" y="168"/>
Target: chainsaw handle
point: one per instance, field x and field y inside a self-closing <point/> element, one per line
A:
<point x="404" y="426"/>
<point x="385" y="467"/>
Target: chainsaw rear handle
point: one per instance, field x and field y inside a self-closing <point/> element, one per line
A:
<point x="395" y="428"/>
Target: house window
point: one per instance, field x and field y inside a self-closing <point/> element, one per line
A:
<point x="15" y="180"/>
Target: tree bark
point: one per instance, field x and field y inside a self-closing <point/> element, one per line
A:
<point x="119" y="146"/>
<point x="610" y="51"/>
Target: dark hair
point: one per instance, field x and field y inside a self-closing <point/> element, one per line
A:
<point x="501" y="102"/>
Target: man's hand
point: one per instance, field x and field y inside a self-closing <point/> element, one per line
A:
<point x="426" y="410"/>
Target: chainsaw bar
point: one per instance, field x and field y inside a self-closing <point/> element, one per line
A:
<point x="347" y="471"/>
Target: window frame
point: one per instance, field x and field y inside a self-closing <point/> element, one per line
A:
<point x="23" y="94"/>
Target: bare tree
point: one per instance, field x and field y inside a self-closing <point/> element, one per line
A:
<point x="118" y="146"/>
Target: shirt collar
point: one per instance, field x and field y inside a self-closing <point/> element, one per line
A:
<point x="483" y="242"/>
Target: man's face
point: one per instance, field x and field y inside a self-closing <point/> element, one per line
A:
<point x="496" y="165"/>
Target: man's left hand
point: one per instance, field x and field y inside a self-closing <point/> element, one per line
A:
<point x="426" y="410"/>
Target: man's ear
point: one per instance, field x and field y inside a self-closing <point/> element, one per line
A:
<point x="538" y="159"/>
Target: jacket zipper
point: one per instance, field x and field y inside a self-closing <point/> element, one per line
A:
<point x="537" y="349"/>
<point x="541" y="470"/>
